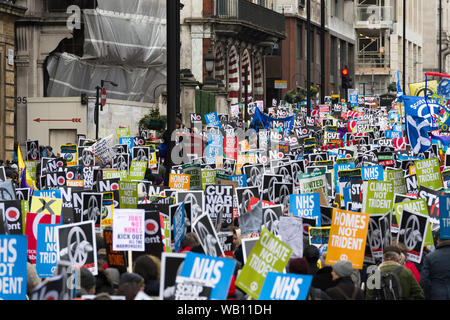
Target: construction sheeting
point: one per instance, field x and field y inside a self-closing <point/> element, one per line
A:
<point x="69" y="77"/>
<point x="125" y="42"/>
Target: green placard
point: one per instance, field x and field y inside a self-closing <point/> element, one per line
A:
<point x="128" y="194"/>
<point x="428" y="173"/>
<point x="417" y="206"/>
<point x="397" y="177"/>
<point x="378" y="196"/>
<point x="137" y="170"/>
<point x="312" y="181"/>
<point x="208" y="177"/>
<point x="268" y="254"/>
<point x="123" y="132"/>
<point x="31" y="169"/>
<point x="194" y="170"/>
<point x="114" y="174"/>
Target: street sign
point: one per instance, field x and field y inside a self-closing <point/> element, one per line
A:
<point x="103" y="97"/>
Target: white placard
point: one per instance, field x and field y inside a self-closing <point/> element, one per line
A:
<point x="128" y="230"/>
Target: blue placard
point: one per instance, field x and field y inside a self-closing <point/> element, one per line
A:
<point x="13" y="267"/>
<point x="372" y="173"/>
<point x="215" y="271"/>
<point x="305" y="205"/>
<point x="338" y="167"/>
<point x="212" y="120"/>
<point x="46" y="250"/>
<point x="129" y="141"/>
<point x="241" y="179"/>
<point x="179" y="226"/>
<point x="55" y="194"/>
<point x="285" y="286"/>
<point x="347" y="191"/>
<point x="444" y="216"/>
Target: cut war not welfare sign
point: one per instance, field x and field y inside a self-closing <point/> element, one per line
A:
<point x="348" y="236"/>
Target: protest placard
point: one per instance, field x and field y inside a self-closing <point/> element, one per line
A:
<point x="128" y="193"/>
<point x="137" y="170"/>
<point x="128" y="230"/>
<point x="13" y="266"/>
<point x="31" y="230"/>
<point x="268" y="254"/>
<point x="179" y="181"/>
<point x="378" y="196"/>
<point x="179" y="226"/>
<point x="348" y="236"/>
<point x="215" y="272"/>
<point x="12" y="219"/>
<point x="428" y="173"/>
<point x="207" y="235"/>
<point x="219" y="200"/>
<point x="444" y="216"/>
<point x="412" y="231"/>
<point x="285" y="286"/>
<point x="305" y="205"/>
<point x="171" y="265"/>
<point x="208" y="177"/>
<point x="46" y="250"/>
<point x="77" y="245"/>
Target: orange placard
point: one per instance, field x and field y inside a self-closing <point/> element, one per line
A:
<point x="179" y="181"/>
<point x="348" y="236"/>
<point x="75" y="183"/>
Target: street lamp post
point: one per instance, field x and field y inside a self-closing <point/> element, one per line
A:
<point x="98" y="105"/>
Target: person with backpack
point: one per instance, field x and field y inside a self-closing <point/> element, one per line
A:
<point x="395" y="282"/>
<point x="344" y="288"/>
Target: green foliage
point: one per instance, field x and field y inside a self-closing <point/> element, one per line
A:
<point x="153" y="121"/>
<point x="294" y="96"/>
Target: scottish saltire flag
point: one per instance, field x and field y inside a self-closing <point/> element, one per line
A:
<point x="418" y="123"/>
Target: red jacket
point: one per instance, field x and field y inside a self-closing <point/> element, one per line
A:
<point x="411" y="266"/>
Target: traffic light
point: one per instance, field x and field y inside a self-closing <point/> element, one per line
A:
<point x="344" y="78"/>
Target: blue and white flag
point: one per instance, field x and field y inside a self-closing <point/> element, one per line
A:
<point x="418" y="124"/>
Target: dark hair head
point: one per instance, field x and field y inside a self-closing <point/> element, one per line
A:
<point x="146" y="267"/>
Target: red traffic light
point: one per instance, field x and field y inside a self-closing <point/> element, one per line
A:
<point x="344" y="72"/>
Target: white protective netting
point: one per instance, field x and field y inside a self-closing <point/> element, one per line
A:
<point x="125" y="42"/>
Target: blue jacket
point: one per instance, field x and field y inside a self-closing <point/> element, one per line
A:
<point x="435" y="273"/>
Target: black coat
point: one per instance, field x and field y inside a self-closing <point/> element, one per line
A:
<point x="323" y="279"/>
<point x="347" y="286"/>
<point x="435" y="273"/>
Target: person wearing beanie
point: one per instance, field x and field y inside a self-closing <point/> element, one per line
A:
<point x="312" y="255"/>
<point x="344" y="288"/>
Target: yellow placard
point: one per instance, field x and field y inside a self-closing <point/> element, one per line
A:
<point x="46" y="205"/>
<point x="412" y="170"/>
<point x="179" y="181"/>
<point x="75" y="183"/>
<point x="348" y="236"/>
<point x="418" y="89"/>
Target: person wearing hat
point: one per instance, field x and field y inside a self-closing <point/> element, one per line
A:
<point x="410" y="289"/>
<point x="344" y="288"/>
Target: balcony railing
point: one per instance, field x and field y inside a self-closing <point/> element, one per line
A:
<point x="372" y="61"/>
<point x="373" y="15"/>
<point x="244" y="10"/>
